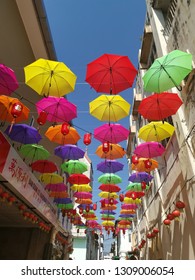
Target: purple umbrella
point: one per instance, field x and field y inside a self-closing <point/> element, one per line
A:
<point x="140" y="177"/>
<point x="149" y="150"/>
<point x="23" y="133"/>
<point x="69" y="151"/>
<point x="109" y="166"/>
<point x="108" y="212"/>
<point x="62" y="200"/>
<point x="113" y="133"/>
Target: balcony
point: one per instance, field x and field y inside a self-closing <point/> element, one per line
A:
<point x="136" y="102"/>
<point x="131" y="136"/>
<point x="161" y="4"/>
<point x="146" y="46"/>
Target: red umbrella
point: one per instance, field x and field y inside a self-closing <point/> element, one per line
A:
<point x="78" y="179"/>
<point x="44" y="166"/>
<point x="159" y="106"/>
<point x="113" y="133"/>
<point x="111" y="73"/>
<point x="109" y="188"/>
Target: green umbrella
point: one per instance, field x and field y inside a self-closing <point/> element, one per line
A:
<point x="74" y="167"/>
<point x="167" y="71"/>
<point x="109" y="178"/>
<point x="65" y="206"/>
<point x="136" y="187"/>
<point x="34" y="152"/>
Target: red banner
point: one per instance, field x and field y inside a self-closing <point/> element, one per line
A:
<point x="4" y="150"/>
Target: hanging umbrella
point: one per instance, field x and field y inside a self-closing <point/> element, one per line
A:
<point x="58" y="187"/>
<point x="111" y="73"/>
<point x="109" y="188"/>
<point x="65" y="200"/>
<point x="149" y="149"/>
<point x="83" y="201"/>
<point x="44" y="166"/>
<point x="69" y="151"/>
<point x="113" y="133"/>
<point x="115" y="151"/>
<point x="107" y="217"/>
<point x="108" y="195"/>
<point x="78" y="179"/>
<point x="34" y="152"/>
<point x="23" y="133"/>
<point x="110" y="166"/>
<point x="128" y="211"/>
<point x="134" y="194"/>
<point x="74" y="167"/>
<point x="58" y="109"/>
<point x="65" y="206"/>
<point x="55" y="135"/>
<point x="145" y="164"/>
<point x="156" y="131"/>
<point x="109" y="178"/>
<point x="107" y="212"/>
<point x="136" y="187"/>
<point x="51" y="178"/>
<point x="58" y="194"/>
<point x="81" y="187"/>
<point x="159" y="106"/>
<point x="140" y="177"/>
<point x="128" y="200"/>
<point x="109" y="207"/>
<point x="167" y="71"/>
<point x="9" y="107"/>
<point x="108" y="223"/>
<point x="8" y="80"/>
<point x="49" y="78"/>
<point x="107" y="200"/>
<point x="109" y="108"/>
<point x="129" y="206"/>
<point x="82" y="195"/>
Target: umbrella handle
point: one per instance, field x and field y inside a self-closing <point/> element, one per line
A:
<point x="178" y="87"/>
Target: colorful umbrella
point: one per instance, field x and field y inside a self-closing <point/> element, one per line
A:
<point x="78" y="179"/>
<point x="128" y="200"/>
<point x="108" y="195"/>
<point x="136" y="187"/>
<point x="65" y="206"/>
<point x="167" y="71"/>
<point x="109" y="188"/>
<point x="149" y="150"/>
<point x="58" y="194"/>
<point x="49" y="78"/>
<point x="74" y="167"/>
<point x="109" y="108"/>
<point x="140" y="177"/>
<point x="156" y="131"/>
<point x="83" y="201"/>
<point x="145" y="164"/>
<point x="108" y="223"/>
<point x="115" y="151"/>
<point x="113" y="133"/>
<point x="110" y="166"/>
<point x="82" y="195"/>
<point x="34" y="152"/>
<point x="134" y="194"/>
<point x="58" y="109"/>
<point x="111" y="73"/>
<point x="127" y="206"/>
<point x="65" y="200"/>
<point x="23" y="133"/>
<point x="107" y="200"/>
<point x="159" y="106"/>
<point x="55" y="135"/>
<point x="107" y="212"/>
<point x="108" y="217"/>
<point x="109" y="178"/>
<point x="59" y="187"/>
<point x="51" y="178"/>
<point x="44" y="166"/>
<point x="69" y="151"/>
<point x="8" y="80"/>
<point x="81" y="187"/>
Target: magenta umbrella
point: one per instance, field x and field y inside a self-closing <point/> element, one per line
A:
<point x="113" y="133"/>
<point x="58" y="109"/>
<point x="107" y="201"/>
<point x="8" y="81"/>
<point x="83" y="195"/>
<point x="60" y="187"/>
<point x="149" y="150"/>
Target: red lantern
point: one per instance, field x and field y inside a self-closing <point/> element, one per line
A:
<point x="16" y="110"/>
<point x="170" y="216"/>
<point x="41" y="120"/>
<point x="147" y="164"/>
<point x="143" y="185"/>
<point x="95" y="206"/>
<point x="11" y="199"/>
<point x="180" y="205"/>
<point x="65" y="128"/>
<point x="134" y="195"/>
<point x="176" y="214"/>
<point x="87" y="209"/>
<point x="167" y="222"/>
<point x="21" y="207"/>
<point x="155" y="230"/>
<point x="121" y="197"/>
<point x="87" y="139"/>
<point x="103" y="204"/>
<point x="111" y="201"/>
<point x="135" y="159"/>
<point x="149" y="235"/>
<point x="80" y="210"/>
<point x="106" y="147"/>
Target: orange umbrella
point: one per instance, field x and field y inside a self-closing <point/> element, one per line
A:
<point x="59" y="194"/>
<point x="83" y="201"/>
<point x="54" y="134"/>
<point x="115" y="151"/>
<point x="145" y="164"/>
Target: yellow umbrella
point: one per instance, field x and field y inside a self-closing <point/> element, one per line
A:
<point x="80" y="188"/>
<point x="156" y="131"/>
<point x="128" y="200"/>
<point x="109" y="108"/>
<point x="108" y="195"/>
<point x="145" y="164"/>
<point x="51" y="178"/>
<point x="108" y="223"/>
<point x="115" y="151"/>
<point x="49" y="78"/>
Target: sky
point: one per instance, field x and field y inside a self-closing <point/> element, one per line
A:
<point x="83" y="31"/>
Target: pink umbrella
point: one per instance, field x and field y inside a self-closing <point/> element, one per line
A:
<point x="82" y="195"/>
<point x="58" y="109"/>
<point x="8" y="81"/>
<point x="149" y="149"/>
<point x="113" y="133"/>
<point x="60" y="187"/>
<point x="129" y="206"/>
<point x="107" y="201"/>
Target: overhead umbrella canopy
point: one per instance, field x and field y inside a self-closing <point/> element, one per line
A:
<point x="44" y="166"/>
<point x="140" y="177"/>
<point x="136" y="187"/>
<point x="51" y="178"/>
<point x="111" y="73"/>
<point x="108" y="195"/>
<point x="58" y="187"/>
<point x="109" y="188"/>
<point x="58" y="194"/>
<point x="108" y="223"/>
<point x="159" y="106"/>
<point x="78" y="179"/>
<point x="82" y="195"/>
<point x="156" y="131"/>
<point x="8" y="80"/>
<point x="81" y="188"/>
<point x="58" y="109"/>
<point x="113" y="133"/>
<point x="34" y="152"/>
<point x="109" y="178"/>
<point x="110" y="166"/>
<point x="106" y="200"/>
<point x="49" y="78"/>
<point x="74" y="167"/>
<point x="167" y="71"/>
<point x="149" y="149"/>
<point x="115" y="151"/>
<point x="109" y="108"/>
<point x="69" y="151"/>
<point x="145" y="164"/>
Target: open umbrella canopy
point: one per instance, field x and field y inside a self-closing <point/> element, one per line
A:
<point x="65" y="206"/>
<point x="167" y="71"/>
<point x="74" y="167"/>
<point x="145" y="164"/>
<point x="44" y="166"/>
<point x="136" y="187"/>
<point x="149" y="149"/>
<point x="8" y="80"/>
<point x="140" y="177"/>
<point x="58" y="194"/>
<point x="109" y="178"/>
<point x="128" y="200"/>
<point x="156" y="131"/>
<point x="69" y="151"/>
<point x="34" y="152"/>
<point x="109" y="188"/>
<point x="111" y="73"/>
<point x="78" y="179"/>
<point x="108" y="223"/>
<point x="159" y="106"/>
<point x="83" y="201"/>
<point x="51" y="178"/>
<point x="110" y="166"/>
<point x="23" y="133"/>
<point x="115" y="151"/>
<point x="58" y="109"/>
<point x="81" y="188"/>
<point x="49" y="78"/>
<point x="128" y="206"/>
<point x="108" y="195"/>
<point x="113" y="133"/>
<point x="106" y="200"/>
<point x="82" y="195"/>
<point x="109" y="108"/>
<point x="58" y="187"/>
<point x="55" y="135"/>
